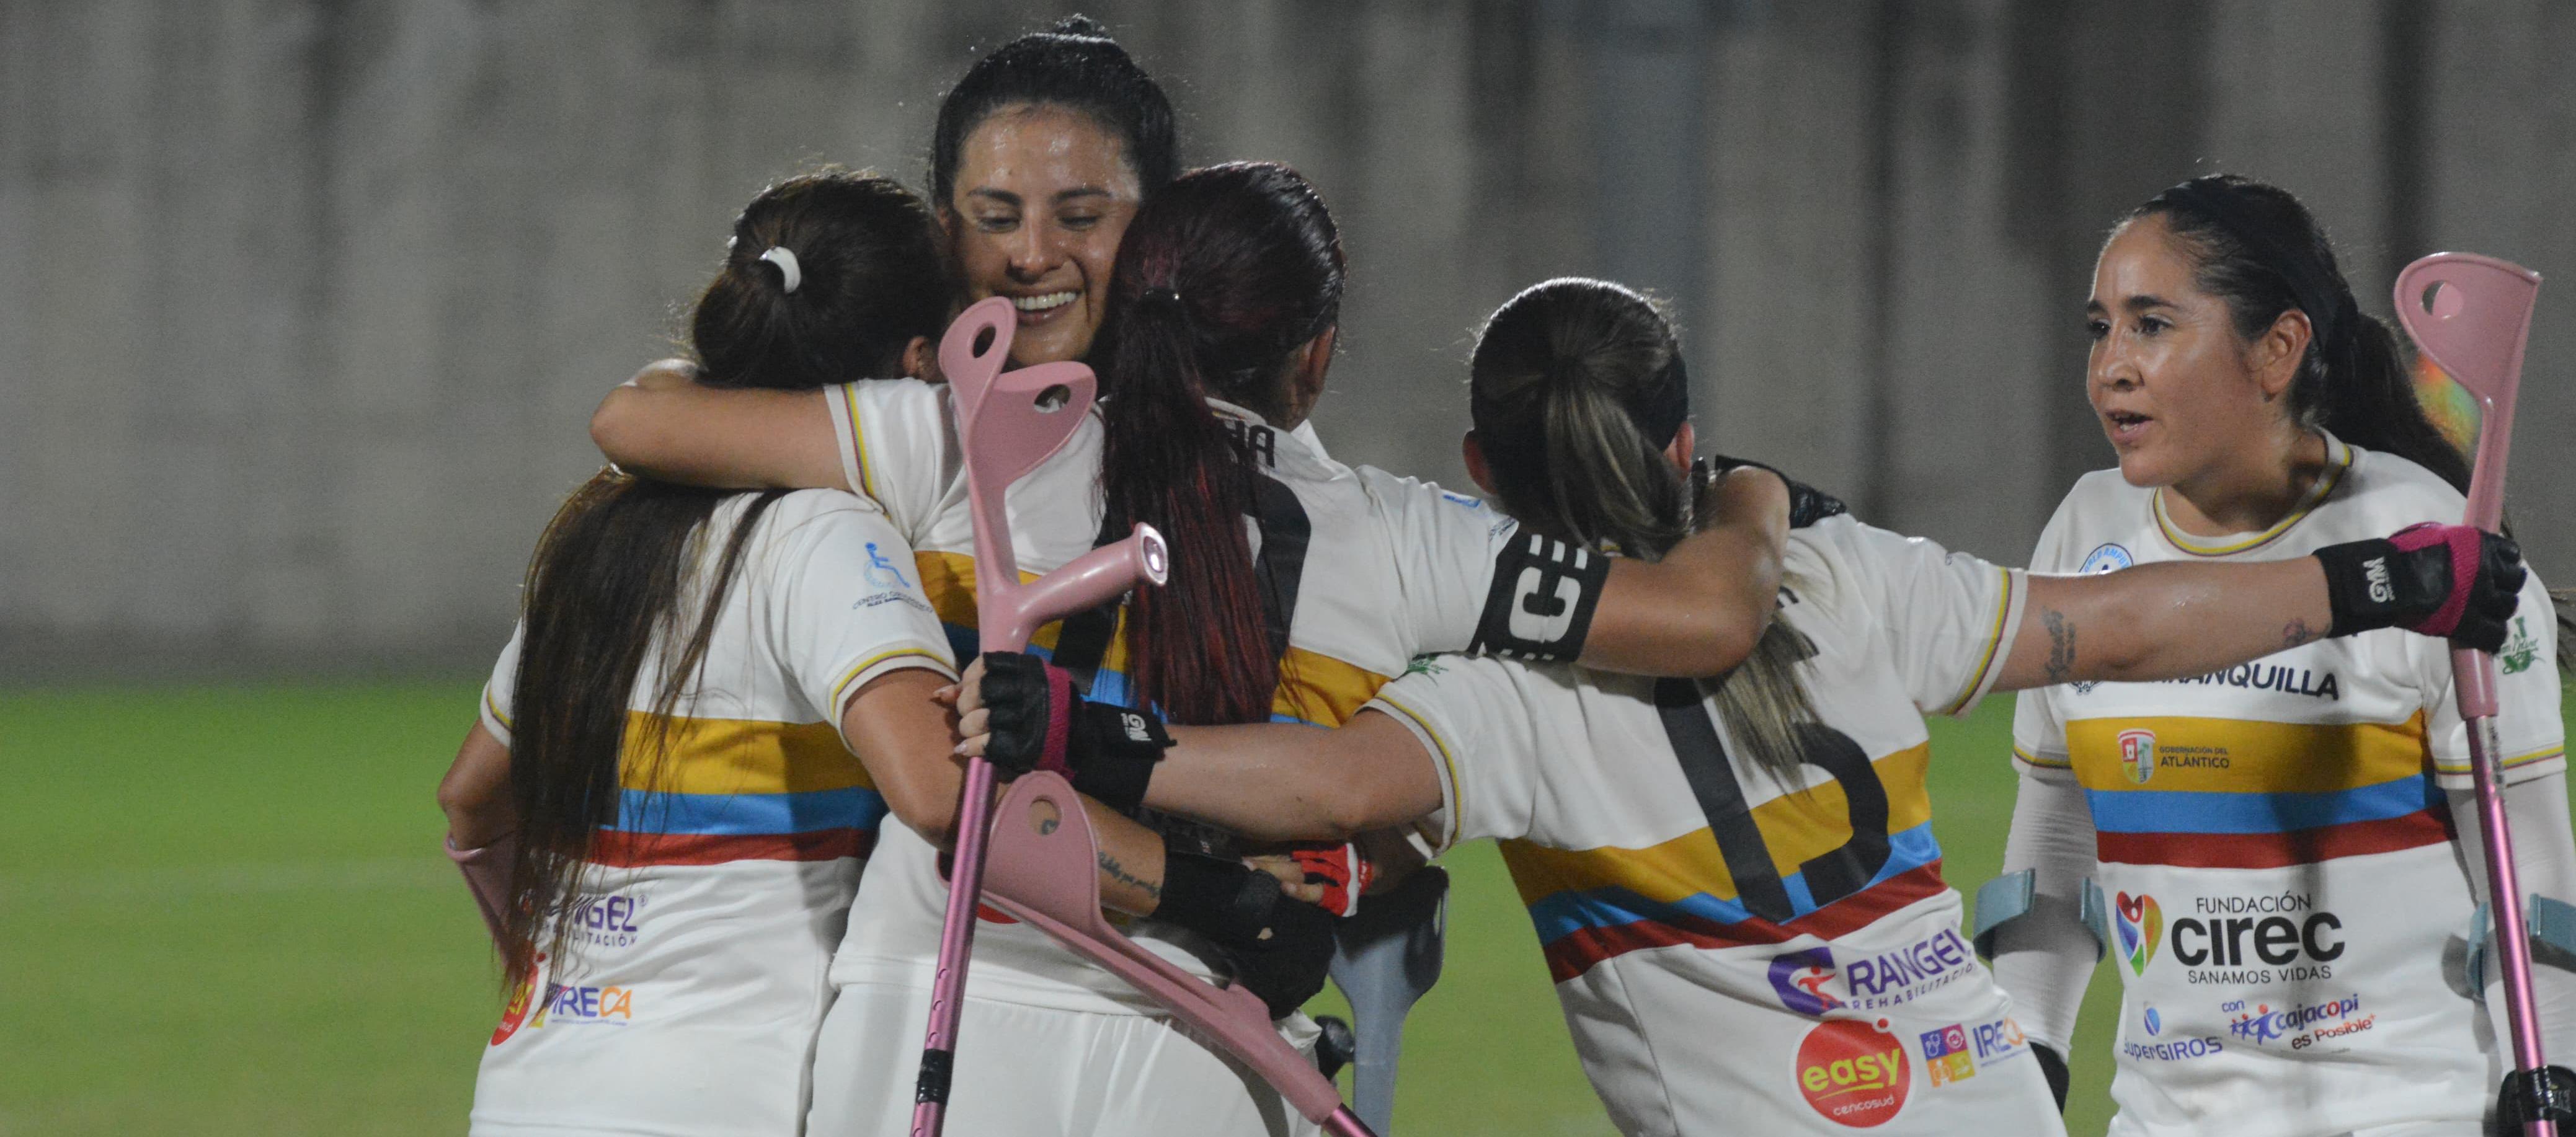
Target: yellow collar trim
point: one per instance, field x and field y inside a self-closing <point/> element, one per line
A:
<point x="2339" y="460"/>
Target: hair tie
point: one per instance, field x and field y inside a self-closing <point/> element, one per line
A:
<point x="2322" y="298"/>
<point x="785" y="259"/>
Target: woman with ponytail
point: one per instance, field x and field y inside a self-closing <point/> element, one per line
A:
<point x="713" y="698"/>
<point x="1734" y="881"/>
<point x="2288" y="848"/>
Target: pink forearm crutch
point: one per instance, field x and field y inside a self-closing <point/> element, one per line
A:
<point x="2471" y="315"/>
<point x="1043" y="873"/>
<point x="1007" y="423"/>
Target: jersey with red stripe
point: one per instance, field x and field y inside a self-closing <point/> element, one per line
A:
<point x="1738" y="950"/>
<point x="1360" y="570"/>
<point x="2274" y="839"/>
<point x="693" y="983"/>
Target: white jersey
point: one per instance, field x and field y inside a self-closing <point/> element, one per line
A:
<point x="694" y="981"/>
<point x="1368" y="571"/>
<point x="2273" y="837"/>
<point x="1736" y="954"/>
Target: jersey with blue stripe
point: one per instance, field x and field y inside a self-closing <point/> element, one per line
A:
<point x="693" y="983"/>
<point x="2274" y="838"/>
<point x="1362" y="571"/>
<point x="1738" y="949"/>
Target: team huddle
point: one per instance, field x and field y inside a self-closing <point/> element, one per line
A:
<point x="706" y="803"/>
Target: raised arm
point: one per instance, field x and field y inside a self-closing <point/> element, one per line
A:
<point x="2173" y="620"/>
<point x="1700" y="609"/>
<point x="663" y="424"/>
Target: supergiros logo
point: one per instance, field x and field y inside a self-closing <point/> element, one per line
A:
<point x="2141" y="925"/>
<point x="1853" y="1073"/>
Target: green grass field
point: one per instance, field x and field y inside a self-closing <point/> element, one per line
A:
<point x="223" y="911"/>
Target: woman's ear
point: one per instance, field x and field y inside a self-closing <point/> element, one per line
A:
<point x="921" y="360"/>
<point x="2274" y="358"/>
<point x="1684" y="448"/>
<point x="1476" y="469"/>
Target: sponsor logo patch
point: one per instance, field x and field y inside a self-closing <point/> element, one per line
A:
<point x="2106" y="557"/>
<point x="1945" y="1055"/>
<point x="2141" y="923"/>
<point x="2257" y="940"/>
<point x="1814" y="980"/>
<point x="1853" y="1073"/>
<point x="2520" y="652"/>
<point x="2298" y="1024"/>
<point x="2138" y="754"/>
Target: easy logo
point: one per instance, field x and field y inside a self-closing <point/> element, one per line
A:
<point x="1853" y="1073"/>
<point x="2141" y="924"/>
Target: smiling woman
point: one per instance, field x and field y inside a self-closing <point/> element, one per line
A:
<point x="1042" y="153"/>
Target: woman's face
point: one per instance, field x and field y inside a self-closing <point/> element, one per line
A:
<point x="2170" y="381"/>
<point x="1043" y="194"/>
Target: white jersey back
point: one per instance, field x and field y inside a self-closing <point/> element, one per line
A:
<point x="695" y="977"/>
<point x="2272" y="838"/>
<point x="1736" y="954"/>
<point x="1369" y="570"/>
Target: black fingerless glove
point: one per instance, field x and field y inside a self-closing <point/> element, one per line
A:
<point x="1039" y="723"/>
<point x="2438" y="580"/>
<point x="1807" y="504"/>
<point x="1280" y="947"/>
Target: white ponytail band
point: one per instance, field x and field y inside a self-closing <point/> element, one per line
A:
<point x="785" y="259"/>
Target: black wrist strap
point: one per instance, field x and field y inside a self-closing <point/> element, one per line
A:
<point x="1114" y="751"/>
<point x="1220" y="899"/>
<point x="2372" y="584"/>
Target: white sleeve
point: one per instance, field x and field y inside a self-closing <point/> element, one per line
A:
<point x="2045" y="959"/>
<point x="495" y="708"/>
<point x="1445" y="545"/>
<point x="2544" y="858"/>
<point x="1947" y="617"/>
<point x="851" y="609"/>
<point x="898" y="446"/>
<point x="2530" y="736"/>
<point x="1475" y="726"/>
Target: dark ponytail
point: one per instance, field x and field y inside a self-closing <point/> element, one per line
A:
<point x="1577" y="388"/>
<point x="2260" y="250"/>
<point x="1219" y="281"/>
<point x="1074" y="65"/>
<point x="605" y="587"/>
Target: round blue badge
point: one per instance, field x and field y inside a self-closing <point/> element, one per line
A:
<point x="2106" y="557"/>
<point x="2154" y="1024"/>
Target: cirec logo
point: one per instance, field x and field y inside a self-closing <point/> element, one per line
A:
<point x="2138" y="754"/>
<point x="1853" y="1073"/>
<point x="2141" y="924"/>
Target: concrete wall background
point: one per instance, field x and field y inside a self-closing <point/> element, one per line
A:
<point x="304" y="304"/>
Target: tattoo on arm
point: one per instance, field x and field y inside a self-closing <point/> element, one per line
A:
<point x="2295" y="633"/>
<point x="1119" y="873"/>
<point x="2061" y="646"/>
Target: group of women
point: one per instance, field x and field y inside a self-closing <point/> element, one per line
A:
<point x="1688" y="704"/>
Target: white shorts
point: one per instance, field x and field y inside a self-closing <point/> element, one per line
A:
<point x="1037" y="1072"/>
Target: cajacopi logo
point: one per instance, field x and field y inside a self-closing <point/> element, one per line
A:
<point x="1853" y="1073"/>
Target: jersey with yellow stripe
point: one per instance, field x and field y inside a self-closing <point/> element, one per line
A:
<point x="1365" y="570"/>
<point x="2274" y="839"/>
<point x="1738" y="950"/>
<point x="694" y="979"/>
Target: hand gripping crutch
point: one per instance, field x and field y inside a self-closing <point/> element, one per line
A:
<point x="1386" y="956"/>
<point x="1007" y="423"/>
<point x="2471" y="315"/>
